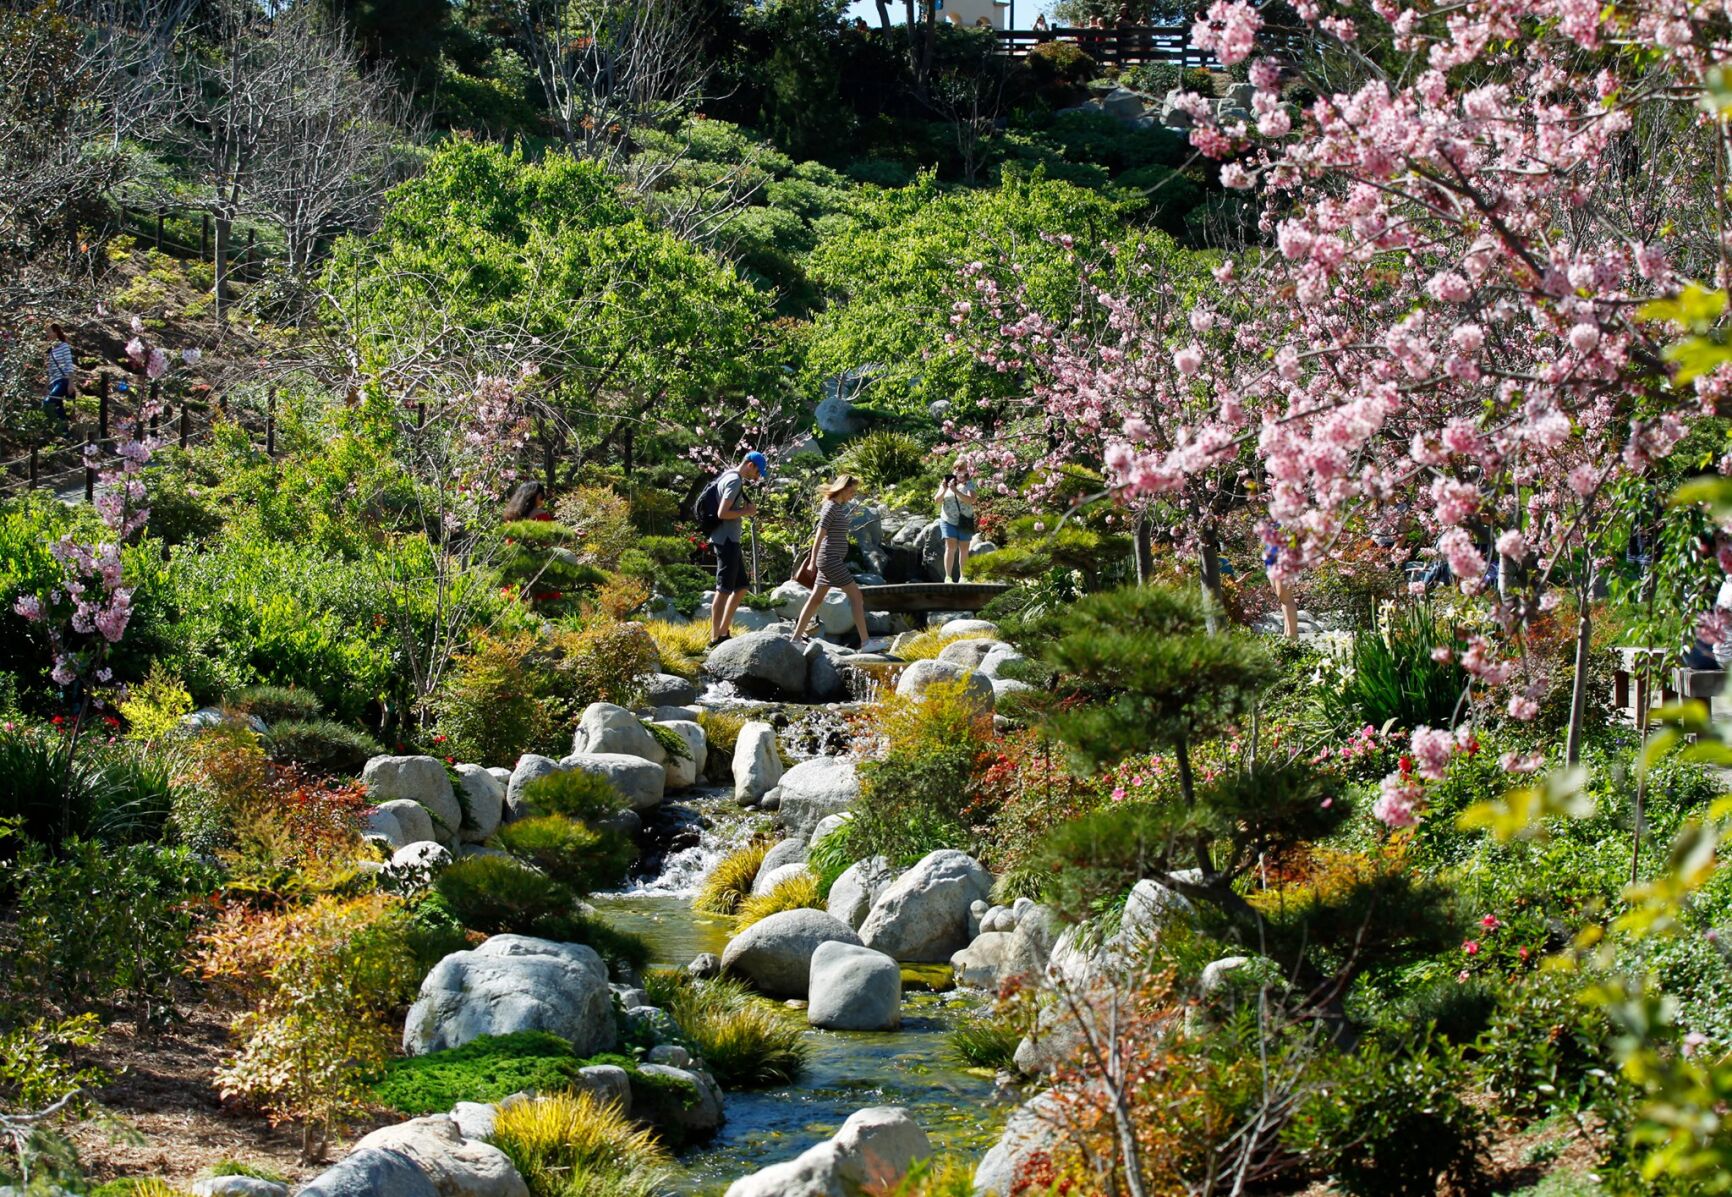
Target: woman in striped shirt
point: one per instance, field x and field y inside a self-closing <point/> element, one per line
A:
<point x="60" y="372"/>
<point x="830" y="555"/>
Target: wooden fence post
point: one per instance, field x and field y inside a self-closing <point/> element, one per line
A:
<point x="271" y="423"/>
<point x="185" y="425"/>
<point x="102" y="407"/>
<point x="33" y="451"/>
<point x="204" y="235"/>
<point x="421" y="413"/>
<point x="159" y="230"/>
<point x="89" y="472"/>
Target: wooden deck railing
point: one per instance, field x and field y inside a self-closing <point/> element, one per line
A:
<point x="1125" y="46"/>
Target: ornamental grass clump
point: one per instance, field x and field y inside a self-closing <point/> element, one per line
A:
<point x="799" y="892"/>
<point x="730" y="882"/>
<point x="683" y="646"/>
<point x="576" y="1145"/>
<point x="927" y="644"/>
<point x="745" y="1042"/>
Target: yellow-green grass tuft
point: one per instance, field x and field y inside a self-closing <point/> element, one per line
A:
<point x="730" y="882"/>
<point x="799" y="892"/>
<point x="576" y="1145"/>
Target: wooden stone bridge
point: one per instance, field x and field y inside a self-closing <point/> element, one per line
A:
<point x="931" y="596"/>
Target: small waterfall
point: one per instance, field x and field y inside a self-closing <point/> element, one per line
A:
<point x="692" y="836"/>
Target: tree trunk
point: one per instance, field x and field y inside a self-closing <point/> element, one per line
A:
<point x="884" y="15"/>
<point x="1145" y="551"/>
<point x="1209" y="558"/>
<point x="220" y="268"/>
<point x="1579" y="686"/>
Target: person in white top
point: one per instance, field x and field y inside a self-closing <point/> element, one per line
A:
<point x="957" y="520"/>
<point x="61" y="370"/>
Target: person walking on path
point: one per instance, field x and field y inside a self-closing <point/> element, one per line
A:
<point x="830" y="553"/>
<point x="731" y="508"/>
<point x="61" y="371"/>
<point x="957" y="520"/>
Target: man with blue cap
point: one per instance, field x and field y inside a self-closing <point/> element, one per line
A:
<point x="731" y="508"/>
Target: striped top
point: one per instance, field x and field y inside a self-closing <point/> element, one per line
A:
<point x="60" y="363"/>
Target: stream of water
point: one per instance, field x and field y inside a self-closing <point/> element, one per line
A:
<point x="846" y="1071"/>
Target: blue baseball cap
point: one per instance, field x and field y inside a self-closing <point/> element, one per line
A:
<point x="759" y="460"/>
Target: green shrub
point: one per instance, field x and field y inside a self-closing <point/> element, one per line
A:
<point x="272" y="703"/>
<point x="799" y="892"/>
<point x="1159" y="78"/>
<point x="567" y="1145"/>
<point x="601" y="519"/>
<point x="486" y="1069"/>
<point x="1061" y="62"/>
<point x="831" y="856"/>
<point x="495" y="703"/>
<point x="730" y="882"/>
<point x="104" y="924"/>
<point x="322" y="745"/>
<point x="1546" y="1050"/>
<point x="434" y="932"/>
<point x="746" y="1043"/>
<point x="1389" y="1124"/>
<point x="608" y="662"/>
<point x="1395" y="680"/>
<point x="883" y="458"/>
<point x="574" y="793"/>
<point x="914" y="798"/>
<point x="670" y="740"/>
<point x="496" y="895"/>
<point x="572" y="853"/>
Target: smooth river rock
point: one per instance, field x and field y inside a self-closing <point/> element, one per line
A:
<point x="761" y="665"/>
<point x="872" y="1151"/>
<point x="458" y="1167"/>
<point x="757" y="763"/>
<point x="419" y="779"/>
<point x="854" y="989"/>
<point x="814" y="790"/>
<point x="923" y="916"/>
<point x="775" y="953"/>
<point x="642" y="782"/>
<point x="483" y="798"/>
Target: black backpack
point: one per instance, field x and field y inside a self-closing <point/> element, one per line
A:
<point x="708" y="507"/>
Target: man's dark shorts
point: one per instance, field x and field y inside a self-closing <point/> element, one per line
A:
<point x="730" y="567"/>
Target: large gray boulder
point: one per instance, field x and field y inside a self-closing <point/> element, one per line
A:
<point x="419" y="779"/>
<point x="641" y="781"/>
<point x="826" y="825"/>
<point x="1030" y="947"/>
<point x="993" y="663"/>
<point x="483" y="798"/>
<point x="860" y="885"/>
<point x="775" y="953"/>
<point x="969" y="654"/>
<point x="412" y="819"/>
<point x="513" y="983"/>
<point x="608" y="1083"/>
<point x="767" y="880"/>
<point x="458" y="1167"/>
<point x="872" y="1152"/>
<point x="757" y="763"/>
<point x="967" y="625"/>
<point x="529" y="767"/>
<point x="814" y="790"/>
<point x="387" y="826"/>
<point x="683" y="771"/>
<point x="608" y="729"/>
<point x="923" y="916"/>
<point x="1033" y="1128"/>
<point x="763" y="665"/>
<point x="373" y="1172"/>
<point x="237" y="1186"/>
<point x="668" y="690"/>
<point x="684" y="1101"/>
<point x="921" y="675"/>
<point x="784" y="852"/>
<point x="854" y="989"/>
<point x="824" y="679"/>
<point x="977" y="966"/>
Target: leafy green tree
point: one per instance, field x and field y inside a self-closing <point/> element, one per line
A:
<point x="891" y="275"/>
<point x="632" y="323"/>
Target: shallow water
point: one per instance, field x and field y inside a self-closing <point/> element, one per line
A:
<point x="847" y="1071"/>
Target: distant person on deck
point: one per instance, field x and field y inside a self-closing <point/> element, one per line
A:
<point x="1040" y="23"/>
<point x="830" y="553"/>
<point x="61" y="371"/>
<point x="731" y="508"/>
<point x="527" y="502"/>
